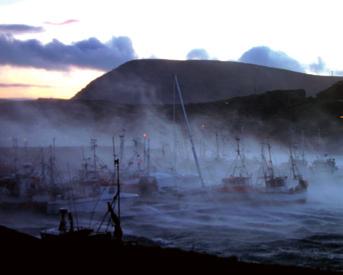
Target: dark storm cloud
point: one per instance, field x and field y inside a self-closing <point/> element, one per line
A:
<point x="66" y="22"/>
<point x="22" y="85"/>
<point x="318" y="67"/>
<point x="267" y="57"/>
<point x="198" y="54"/>
<point x="19" y="29"/>
<point x="90" y="53"/>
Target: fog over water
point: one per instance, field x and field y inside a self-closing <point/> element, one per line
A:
<point x="270" y="228"/>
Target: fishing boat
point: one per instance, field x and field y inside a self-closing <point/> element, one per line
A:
<point x="67" y="230"/>
<point x="88" y="192"/>
<point x="282" y="184"/>
<point x="21" y="184"/>
<point x="239" y="179"/>
<point x="140" y="180"/>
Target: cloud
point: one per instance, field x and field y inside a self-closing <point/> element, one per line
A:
<point x="338" y="73"/>
<point x="22" y="85"/>
<point x="19" y="29"/>
<point x="9" y="2"/>
<point x="267" y="57"/>
<point x="318" y="67"/>
<point x="198" y="54"/>
<point x="89" y="53"/>
<point x="66" y="22"/>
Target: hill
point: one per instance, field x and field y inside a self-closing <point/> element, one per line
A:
<point x="150" y="81"/>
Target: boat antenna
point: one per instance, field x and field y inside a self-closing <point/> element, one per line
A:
<point x="116" y="164"/>
<point x="239" y="161"/>
<point x="271" y="169"/>
<point x="145" y="153"/>
<point x="294" y="170"/>
<point x="116" y="198"/>
<point x="189" y="130"/>
<point x="174" y="130"/>
<point x="264" y="162"/>
<point x="93" y="148"/>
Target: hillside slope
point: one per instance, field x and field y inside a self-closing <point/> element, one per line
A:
<point x="150" y="81"/>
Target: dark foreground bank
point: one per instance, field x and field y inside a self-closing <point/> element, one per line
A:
<point x="19" y="250"/>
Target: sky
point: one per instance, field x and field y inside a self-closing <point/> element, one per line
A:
<point x="55" y="48"/>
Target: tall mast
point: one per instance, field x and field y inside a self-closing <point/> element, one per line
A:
<point x="114" y="157"/>
<point x="265" y="163"/>
<point x="174" y="129"/>
<point x="148" y="158"/>
<point x="271" y="169"/>
<point x="292" y="161"/>
<point x="239" y="161"/>
<point x="116" y="164"/>
<point x="238" y="150"/>
<point x="145" y="154"/>
<point x="189" y="131"/>
<point x="294" y="171"/>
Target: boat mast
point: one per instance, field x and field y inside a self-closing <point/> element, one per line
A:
<point x="145" y="157"/>
<point x="294" y="169"/>
<point x="270" y="168"/>
<point x="239" y="161"/>
<point x="148" y="158"/>
<point x="265" y="163"/>
<point x="114" y="157"/>
<point x="189" y="131"/>
<point x="174" y="130"/>
<point x="116" y="164"/>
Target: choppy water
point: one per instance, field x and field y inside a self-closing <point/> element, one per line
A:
<point x="290" y="233"/>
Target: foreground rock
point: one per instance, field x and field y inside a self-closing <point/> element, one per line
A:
<point x="132" y="255"/>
